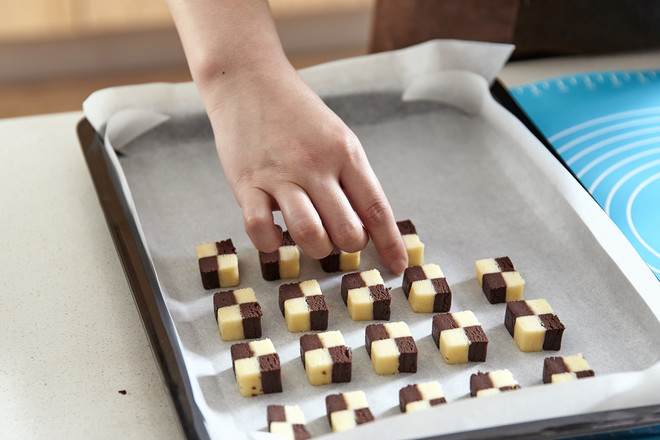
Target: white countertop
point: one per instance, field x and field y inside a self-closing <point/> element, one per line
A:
<point x="71" y="335"/>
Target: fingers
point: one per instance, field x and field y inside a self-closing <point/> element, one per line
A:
<point x="340" y="220"/>
<point x="257" y="207"/>
<point x="343" y="213"/>
<point x="303" y="221"/>
<point x="368" y="199"/>
<point x="336" y="216"/>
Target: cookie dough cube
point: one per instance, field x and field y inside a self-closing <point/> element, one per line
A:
<point x="238" y="314"/>
<point x="326" y="358"/>
<point x="420" y="396"/>
<point x="426" y="289"/>
<point x="284" y="263"/>
<point x="287" y="421"/>
<point x="414" y="246"/>
<point x="347" y="410"/>
<point x="566" y="368"/>
<point x="460" y="337"/>
<point x="499" y="280"/>
<point x="339" y="260"/>
<point x="533" y="325"/>
<point x="303" y="306"/>
<point x="391" y="348"/>
<point x="484" y="384"/>
<point x="366" y="296"/>
<point x="218" y="264"/>
<point x="256" y="366"/>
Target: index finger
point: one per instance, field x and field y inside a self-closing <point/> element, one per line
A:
<point x="370" y="203"/>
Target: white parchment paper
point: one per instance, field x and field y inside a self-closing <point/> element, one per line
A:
<point x="475" y="183"/>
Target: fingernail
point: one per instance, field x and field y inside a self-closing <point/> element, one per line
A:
<point x="399" y="266"/>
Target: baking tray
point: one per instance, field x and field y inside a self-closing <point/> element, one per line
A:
<point x="365" y="111"/>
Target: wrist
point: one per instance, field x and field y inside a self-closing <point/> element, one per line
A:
<point x="252" y="81"/>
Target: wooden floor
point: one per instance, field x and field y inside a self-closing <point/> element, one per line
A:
<point x="61" y="95"/>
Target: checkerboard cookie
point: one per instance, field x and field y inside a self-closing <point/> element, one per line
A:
<point x="238" y="314"/>
<point x="391" y="348"/>
<point x="366" y="296"/>
<point x="347" y="410"/>
<point x="460" y="337"/>
<point x="566" y="368"/>
<point x="499" y="280"/>
<point x="303" y="306"/>
<point x="284" y="263"/>
<point x="533" y="325"/>
<point x="287" y="421"/>
<point x="414" y="245"/>
<point x="256" y="366"/>
<point x="339" y="260"/>
<point x="426" y="289"/>
<point x="218" y="264"/>
<point x="420" y="396"/>
<point x="326" y="358"/>
<point x="484" y="384"/>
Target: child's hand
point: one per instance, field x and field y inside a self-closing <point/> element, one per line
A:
<point x="282" y="148"/>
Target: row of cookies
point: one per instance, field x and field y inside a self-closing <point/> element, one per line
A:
<point x="302" y="305"/>
<point x="364" y="293"/>
<point x="391" y="347"/>
<point x="458" y="335"/>
<point x="347" y="410"/>
<point x="218" y="261"/>
<point x="325" y="358"/>
<point x="218" y="264"/>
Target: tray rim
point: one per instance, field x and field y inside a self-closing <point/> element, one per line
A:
<point x="142" y="282"/>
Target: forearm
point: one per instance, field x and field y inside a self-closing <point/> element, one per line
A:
<point x="280" y="146"/>
<point x="227" y="41"/>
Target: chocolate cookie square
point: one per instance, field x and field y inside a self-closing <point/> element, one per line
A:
<point x="288" y="421"/>
<point x="420" y="396"/>
<point x="484" y="384"/>
<point x="391" y="348"/>
<point x="460" y="337"/>
<point x="499" y="280"/>
<point x="326" y="358"/>
<point x="284" y="263"/>
<point x="303" y="306"/>
<point x="533" y="325"/>
<point x="366" y="296"/>
<point x="426" y="289"/>
<point x="414" y="245"/>
<point x="238" y="314"/>
<point x="340" y="261"/>
<point x="566" y="368"/>
<point x="347" y="410"/>
<point x="256" y="366"/>
<point x="218" y="264"/>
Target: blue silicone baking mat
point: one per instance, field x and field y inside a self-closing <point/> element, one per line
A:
<point x="606" y="128"/>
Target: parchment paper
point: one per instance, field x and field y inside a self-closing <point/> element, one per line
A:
<point x="475" y="183"/>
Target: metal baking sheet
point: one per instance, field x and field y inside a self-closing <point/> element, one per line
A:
<point x="476" y="185"/>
